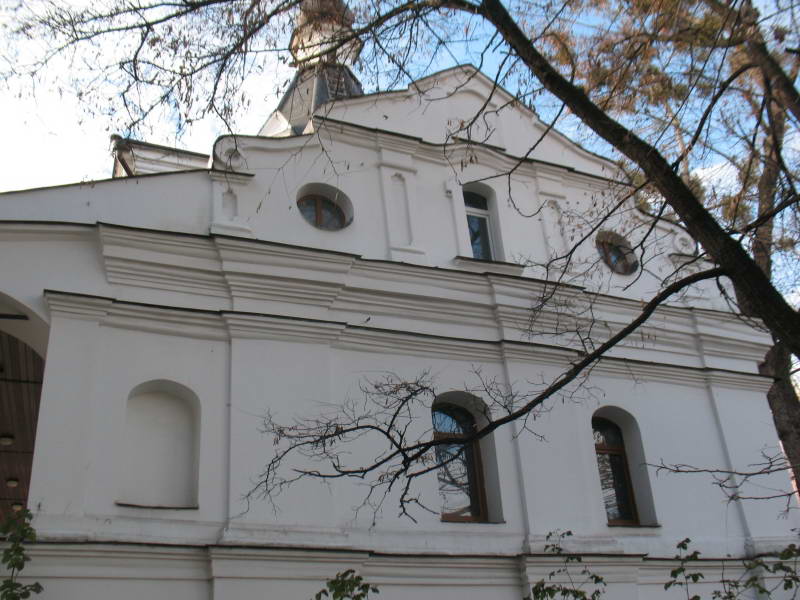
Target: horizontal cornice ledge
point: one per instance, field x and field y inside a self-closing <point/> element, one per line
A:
<point x="52" y="231"/>
<point x="364" y="339"/>
<point x="157" y="241"/>
<point x="253" y="326"/>
<point x="282" y="289"/>
<point x="484" y="266"/>
<point x="241" y="255"/>
<point x="77" y="306"/>
<point x="441" y="310"/>
<point x="222" y="325"/>
<point x="119" y="561"/>
<point x="148" y="259"/>
<point x="184" y="322"/>
<point x="235" y="562"/>
<point x="228" y="267"/>
<point x="232" y="177"/>
<point x="417" y="277"/>
<point x="168" y="321"/>
<point x="681" y="375"/>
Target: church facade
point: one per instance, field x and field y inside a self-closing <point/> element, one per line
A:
<point x="152" y="320"/>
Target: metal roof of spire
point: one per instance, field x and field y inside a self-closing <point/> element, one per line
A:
<point x="322" y="46"/>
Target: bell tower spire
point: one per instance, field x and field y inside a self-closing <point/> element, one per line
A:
<point x="323" y="48"/>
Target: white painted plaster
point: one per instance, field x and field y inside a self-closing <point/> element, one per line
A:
<point x="166" y="278"/>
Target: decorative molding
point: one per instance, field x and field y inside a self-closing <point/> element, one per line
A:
<point x="394" y="304"/>
<point x="232" y="324"/>
<point x="250" y="326"/>
<point x="250" y="256"/>
<point x="168" y="321"/>
<point x="293" y="291"/>
<point x="77" y="306"/>
<point x="278" y="563"/>
<point x="231" y="177"/>
<point x="364" y="339"/>
<point x="118" y="561"/>
<point x="495" y="305"/>
<point x="484" y="266"/>
<point x="35" y="231"/>
<point x="187" y="264"/>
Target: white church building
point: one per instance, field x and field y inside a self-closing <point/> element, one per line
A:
<point x="150" y="321"/>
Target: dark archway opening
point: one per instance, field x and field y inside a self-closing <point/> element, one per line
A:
<point x="21" y="371"/>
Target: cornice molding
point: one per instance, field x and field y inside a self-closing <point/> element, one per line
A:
<point x="482" y="266"/>
<point x="225" y="325"/>
<point x="169" y="321"/>
<point x="53" y="231"/>
<point x="439" y="310"/>
<point x="231" y="177"/>
<point x="77" y="306"/>
<point x="365" y="339"/>
<point x="404" y="296"/>
<point x="251" y="326"/>
<point x="242" y="255"/>
<point x="186" y="264"/>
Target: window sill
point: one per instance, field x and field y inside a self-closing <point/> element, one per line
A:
<point x="634" y="525"/>
<point x="155" y="507"/>
<point x="488" y="266"/>
<point x="471" y="522"/>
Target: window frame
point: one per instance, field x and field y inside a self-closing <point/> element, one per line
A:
<point x="481" y="213"/>
<point x="606" y="243"/>
<point x="620" y="452"/>
<point x="475" y="466"/>
<point x="319" y="201"/>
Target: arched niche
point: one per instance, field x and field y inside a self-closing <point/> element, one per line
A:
<point x="487" y="452"/>
<point x="159" y="463"/>
<point x="637" y="462"/>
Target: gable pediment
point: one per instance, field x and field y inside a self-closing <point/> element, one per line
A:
<point x="462" y="103"/>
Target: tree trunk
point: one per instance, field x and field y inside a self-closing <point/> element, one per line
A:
<point x="784" y="404"/>
<point x="777" y="363"/>
<point x="751" y="281"/>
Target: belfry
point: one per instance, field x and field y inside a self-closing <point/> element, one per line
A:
<point x="323" y="46"/>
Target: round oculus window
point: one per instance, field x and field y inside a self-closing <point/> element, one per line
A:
<point x="322" y="212"/>
<point x="617" y="253"/>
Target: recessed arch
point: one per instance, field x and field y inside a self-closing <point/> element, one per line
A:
<point x="160" y="457"/>
<point x="635" y="462"/>
<point x="21" y="376"/>
<point x="461" y="413"/>
<point x="24" y="323"/>
<point x="23" y="346"/>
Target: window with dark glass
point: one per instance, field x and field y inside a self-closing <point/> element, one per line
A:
<point x="460" y="474"/>
<point x="321" y="212"/>
<point x="478" y="224"/>
<point x="617" y="253"/>
<point x="615" y="479"/>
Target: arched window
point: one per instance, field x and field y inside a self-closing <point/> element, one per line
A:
<point x="615" y="478"/>
<point x="479" y="225"/>
<point x="460" y="473"/>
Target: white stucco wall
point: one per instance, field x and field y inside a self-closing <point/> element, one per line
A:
<point x="214" y="283"/>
